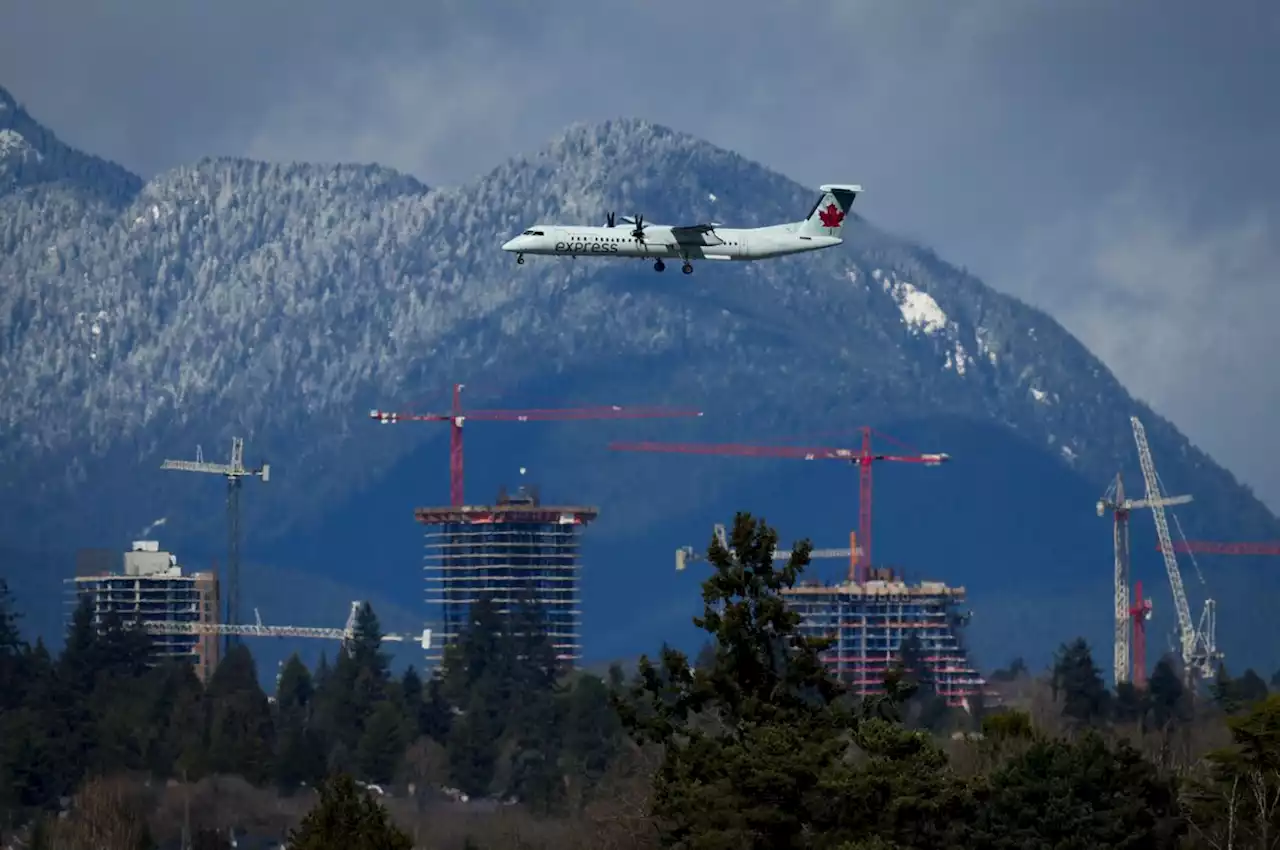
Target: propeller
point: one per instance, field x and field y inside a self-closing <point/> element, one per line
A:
<point x="608" y="220"/>
<point x="638" y="233"/>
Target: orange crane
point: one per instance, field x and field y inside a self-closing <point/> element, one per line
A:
<point x="457" y="416"/>
<point x="862" y="457"/>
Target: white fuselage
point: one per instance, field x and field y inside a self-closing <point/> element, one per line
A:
<point x="663" y="242"/>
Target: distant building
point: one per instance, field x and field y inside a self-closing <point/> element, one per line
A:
<point x="869" y="622"/>
<point x="148" y="584"/>
<point x="503" y="550"/>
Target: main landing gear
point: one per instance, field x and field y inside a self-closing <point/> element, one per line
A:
<point x="687" y="268"/>
<point x="519" y="259"/>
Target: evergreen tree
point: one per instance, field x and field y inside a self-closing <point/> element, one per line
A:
<point x="347" y="817"/>
<point x="479" y="682"/>
<point x="437" y="714"/>
<point x="412" y="702"/>
<point x="299" y="748"/>
<point x="924" y="708"/>
<point x="1078" y="681"/>
<point x="534" y="727"/>
<point x="12" y="650"/>
<point x="240" y="728"/>
<point x="1130" y="704"/>
<point x="745" y="741"/>
<point x="1223" y="690"/>
<point x="1078" y="794"/>
<point x="1252" y="688"/>
<point x="382" y="743"/>
<point x="592" y="734"/>
<point x="1167" y="699"/>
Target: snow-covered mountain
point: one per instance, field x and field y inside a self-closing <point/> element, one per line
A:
<point x="281" y="302"/>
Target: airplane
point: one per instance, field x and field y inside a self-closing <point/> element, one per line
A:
<point x="819" y="229"/>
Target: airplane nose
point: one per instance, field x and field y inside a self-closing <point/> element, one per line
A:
<point x="510" y="244"/>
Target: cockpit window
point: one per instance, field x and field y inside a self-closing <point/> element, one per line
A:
<point x="533" y="233"/>
<point x="527" y="233"/>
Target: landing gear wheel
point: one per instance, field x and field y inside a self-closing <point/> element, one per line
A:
<point x="659" y="266"/>
<point x="519" y="259"/>
<point x="687" y="268"/>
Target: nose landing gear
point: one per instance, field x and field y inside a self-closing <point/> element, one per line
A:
<point x="659" y="266"/>
<point x="687" y="268"/>
<point x="519" y="259"/>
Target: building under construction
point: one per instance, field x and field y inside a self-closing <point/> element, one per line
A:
<point x="149" y="585"/>
<point x="869" y="621"/>
<point x="505" y="550"/>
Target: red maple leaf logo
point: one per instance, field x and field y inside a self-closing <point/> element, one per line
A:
<point x="831" y="216"/>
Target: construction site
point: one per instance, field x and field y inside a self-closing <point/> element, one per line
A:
<point x="518" y="549"/>
<point x="512" y="550"/>
<point x="147" y="584"/>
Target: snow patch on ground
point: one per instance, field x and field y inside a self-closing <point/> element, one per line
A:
<point x="986" y="346"/>
<point x="923" y="315"/>
<point x="14" y="144"/>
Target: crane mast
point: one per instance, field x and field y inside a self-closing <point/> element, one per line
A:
<point x="1129" y="617"/>
<point x="1197" y="646"/>
<point x="233" y="472"/>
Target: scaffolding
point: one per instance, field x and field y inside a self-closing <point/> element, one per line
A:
<point x="505" y="550"/>
<point x="869" y="622"/>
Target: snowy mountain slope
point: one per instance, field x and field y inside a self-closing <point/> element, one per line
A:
<point x="281" y="302"/>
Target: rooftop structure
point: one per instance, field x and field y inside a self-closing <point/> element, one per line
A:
<point x="869" y="621"/>
<point x="147" y="584"/>
<point x="506" y="550"/>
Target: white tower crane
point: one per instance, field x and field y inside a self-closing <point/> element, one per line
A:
<point x="1197" y="646"/>
<point x="257" y="629"/>
<point x="1113" y="500"/>
<point x="686" y="553"/>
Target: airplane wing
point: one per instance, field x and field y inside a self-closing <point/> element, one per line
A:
<point x="703" y="234"/>
<point x="694" y="228"/>
<point x="675" y="228"/>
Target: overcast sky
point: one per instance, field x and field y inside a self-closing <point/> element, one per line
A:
<point x="1112" y="163"/>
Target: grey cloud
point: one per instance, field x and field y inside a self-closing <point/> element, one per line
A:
<point x="1112" y="163"/>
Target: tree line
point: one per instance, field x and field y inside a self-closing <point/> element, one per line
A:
<point x="751" y="744"/>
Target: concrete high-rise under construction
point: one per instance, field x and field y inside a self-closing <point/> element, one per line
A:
<point x="147" y="584"/>
<point x="505" y="550"/>
<point x="869" y="622"/>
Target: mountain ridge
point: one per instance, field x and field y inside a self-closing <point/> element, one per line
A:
<point x="280" y="302"/>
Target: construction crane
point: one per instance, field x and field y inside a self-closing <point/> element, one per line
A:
<point x="257" y="629"/>
<point x="1213" y="547"/>
<point x="685" y="554"/>
<point x="1139" y="613"/>
<point x="234" y="471"/>
<point x="1129" y="659"/>
<point x="1197" y="645"/>
<point x="863" y="458"/>
<point x="457" y="416"/>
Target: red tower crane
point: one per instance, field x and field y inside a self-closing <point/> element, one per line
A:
<point x="457" y="416"/>
<point x="1139" y="613"/>
<point x="863" y="458"/>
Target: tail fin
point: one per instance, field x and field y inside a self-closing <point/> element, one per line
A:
<point x="827" y="216"/>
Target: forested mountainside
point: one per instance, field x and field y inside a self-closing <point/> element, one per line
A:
<point x="280" y="302"/>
